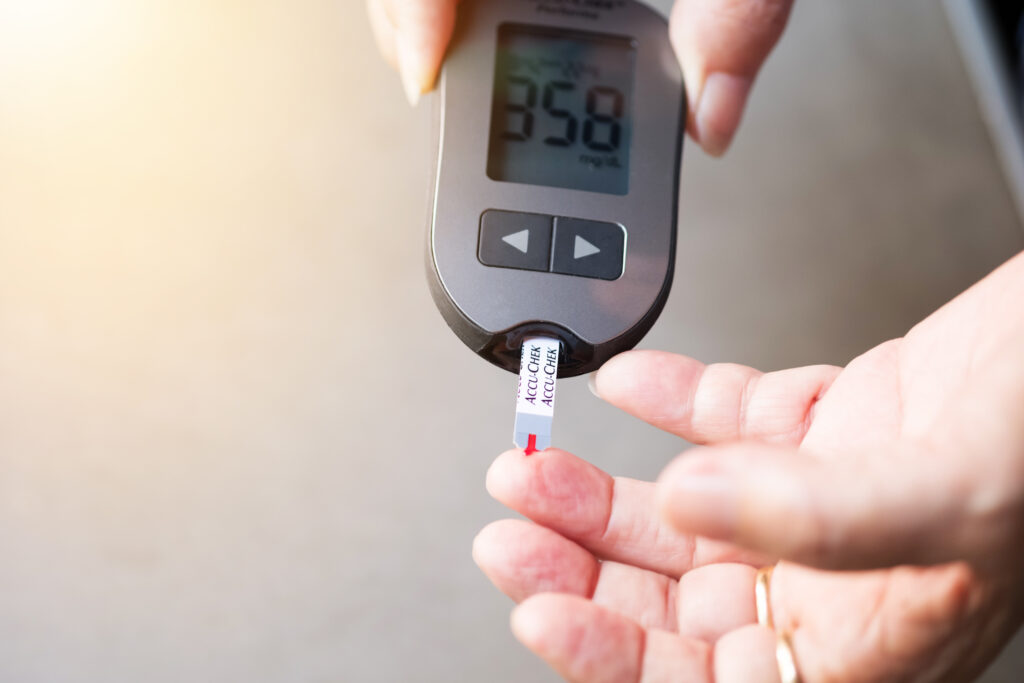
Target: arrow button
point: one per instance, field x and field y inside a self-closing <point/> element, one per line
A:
<point x="510" y="239"/>
<point x="589" y="248"/>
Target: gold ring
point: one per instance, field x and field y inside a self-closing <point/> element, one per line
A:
<point x="762" y="600"/>
<point x="784" y="644"/>
<point x="784" y="658"/>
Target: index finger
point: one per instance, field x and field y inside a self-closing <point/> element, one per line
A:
<point x="709" y="404"/>
<point x="613" y="517"/>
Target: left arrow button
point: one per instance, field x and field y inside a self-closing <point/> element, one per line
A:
<point x="510" y="239"/>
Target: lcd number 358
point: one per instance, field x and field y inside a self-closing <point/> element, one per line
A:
<point x="602" y="127"/>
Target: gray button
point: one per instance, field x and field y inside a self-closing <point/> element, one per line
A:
<point x="588" y="248"/>
<point x="510" y="239"/>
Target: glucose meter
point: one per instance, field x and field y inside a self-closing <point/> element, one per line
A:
<point x="559" y="129"/>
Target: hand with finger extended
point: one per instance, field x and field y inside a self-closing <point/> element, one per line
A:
<point x="892" y="491"/>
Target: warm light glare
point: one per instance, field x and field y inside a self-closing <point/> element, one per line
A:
<point x="32" y="29"/>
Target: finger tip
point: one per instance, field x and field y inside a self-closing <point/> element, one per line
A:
<point x="679" y="487"/>
<point x="418" y="71"/>
<point x="744" y="493"/>
<point x="714" y="148"/>
<point x="494" y="557"/>
<point x="511" y="472"/>
<point x="500" y="473"/>
<point x="664" y="502"/>
<point x="580" y="640"/>
<point x="606" y="373"/>
<point x="521" y="559"/>
<point x="552" y="487"/>
<point x="723" y="98"/>
<point x="413" y="90"/>
<point x="524" y="622"/>
<point x="714" y="143"/>
<point x="682" y="466"/>
<point x="640" y="381"/>
<point x="530" y="619"/>
<point x="509" y="476"/>
<point x="619" y="373"/>
<point x="483" y="546"/>
<point x="663" y="495"/>
<point x="498" y="540"/>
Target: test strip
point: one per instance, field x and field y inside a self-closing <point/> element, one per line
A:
<point x="535" y="397"/>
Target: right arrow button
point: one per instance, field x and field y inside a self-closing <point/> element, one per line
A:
<point x="589" y="248"/>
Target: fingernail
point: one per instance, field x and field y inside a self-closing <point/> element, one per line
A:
<point x="720" y="109"/>
<point x="700" y="498"/>
<point x="592" y="384"/>
<point x="411" y="70"/>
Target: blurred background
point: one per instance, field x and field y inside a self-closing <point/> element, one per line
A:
<point x="230" y="446"/>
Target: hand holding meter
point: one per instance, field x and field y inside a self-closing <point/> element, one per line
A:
<point x="559" y="128"/>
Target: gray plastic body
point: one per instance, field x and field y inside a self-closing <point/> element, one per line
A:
<point x="493" y="309"/>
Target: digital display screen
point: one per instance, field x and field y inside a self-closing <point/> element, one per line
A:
<point x="562" y="109"/>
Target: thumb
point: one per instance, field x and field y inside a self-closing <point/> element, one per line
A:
<point x="863" y="514"/>
<point x="413" y="35"/>
<point x="721" y="45"/>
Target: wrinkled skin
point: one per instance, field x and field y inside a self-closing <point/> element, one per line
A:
<point x="911" y="455"/>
